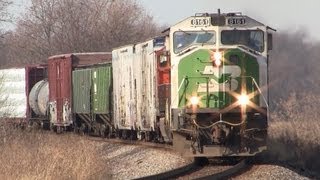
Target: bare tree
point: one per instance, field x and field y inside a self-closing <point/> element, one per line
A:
<point x="5" y="16"/>
<point x="62" y="26"/>
<point x="294" y="65"/>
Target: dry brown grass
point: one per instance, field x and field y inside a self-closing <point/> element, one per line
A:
<point x="294" y="132"/>
<point x="43" y="155"/>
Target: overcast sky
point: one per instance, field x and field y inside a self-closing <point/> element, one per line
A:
<point x="280" y="14"/>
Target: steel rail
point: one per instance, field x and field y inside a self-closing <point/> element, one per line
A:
<point x="167" y="147"/>
<point x="238" y="168"/>
<point x="195" y="166"/>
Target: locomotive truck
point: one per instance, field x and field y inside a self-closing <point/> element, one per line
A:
<point x="202" y="86"/>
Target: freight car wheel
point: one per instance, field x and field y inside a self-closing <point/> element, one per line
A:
<point x="139" y="135"/>
<point x="110" y="132"/>
<point x="51" y="128"/>
<point x="76" y="130"/>
<point x="124" y="134"/>
<point x="29" y="126"/>
<point x="103" y="132"/>
<point x="82" y="129"/>
<point x="60" y="129"/>
<point x="133" y="135"/>
<point x="148" y="137"/>
<point x="45" y="125"/>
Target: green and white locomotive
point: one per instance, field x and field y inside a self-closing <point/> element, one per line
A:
<point x="219" y="85"/>
<point x="202" y="86"/>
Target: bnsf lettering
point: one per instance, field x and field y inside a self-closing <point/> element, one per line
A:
<point x="199" y="22"/>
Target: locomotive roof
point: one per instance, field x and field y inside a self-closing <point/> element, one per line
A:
<point x="234" y="19"/>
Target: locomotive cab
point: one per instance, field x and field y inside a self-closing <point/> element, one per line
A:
<point x="219" y="85"/>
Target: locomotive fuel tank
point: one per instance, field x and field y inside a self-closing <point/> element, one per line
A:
<point x="39" y="97"/>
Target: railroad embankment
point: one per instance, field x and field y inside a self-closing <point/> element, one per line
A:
<point x="294" y="132"/>
<point x="43" y="155"/>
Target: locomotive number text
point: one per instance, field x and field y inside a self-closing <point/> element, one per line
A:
<point x="199" y="22"/>
<point x="234" y="21"/>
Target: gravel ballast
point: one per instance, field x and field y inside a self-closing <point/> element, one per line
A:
<point x="132" y="161"/>
<point x="269" y="172"/>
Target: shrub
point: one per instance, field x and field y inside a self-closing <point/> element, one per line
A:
<point x="294" y="132"/>
<point x="43" y="155"/>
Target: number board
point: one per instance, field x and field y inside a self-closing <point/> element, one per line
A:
<point x="200" y="22"/>
<point x="236" y="21"/>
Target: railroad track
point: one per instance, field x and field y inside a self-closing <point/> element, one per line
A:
<point x="174" y="173"/>
<point x="166" y="147"/>
<point x="241" y="166"/>
<point x="185" y="171"/>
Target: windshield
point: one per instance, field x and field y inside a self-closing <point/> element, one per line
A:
<point x="250" y="38"/>
<point x="184" y="39"/>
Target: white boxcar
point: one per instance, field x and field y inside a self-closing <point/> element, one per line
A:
<point x="12" y="93"/>
<point x="134" y="86"/>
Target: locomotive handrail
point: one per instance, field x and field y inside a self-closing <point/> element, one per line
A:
<point x="218" y="122"/>
<point x="259" y="90"/>
<point x="264" y="98"/>
<point x="180" y="86"/>
<point x="182" y="82"/>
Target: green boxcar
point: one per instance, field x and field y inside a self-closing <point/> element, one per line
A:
<point x="81" y="83"/>
<point x="101" y="89"/>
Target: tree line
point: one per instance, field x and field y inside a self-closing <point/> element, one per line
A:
<point x="50" y="27"/>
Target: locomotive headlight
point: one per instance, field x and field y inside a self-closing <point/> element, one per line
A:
<point x="243" y="99"/>
<point x="217" y="58"/>
<point x="194" y="100"/>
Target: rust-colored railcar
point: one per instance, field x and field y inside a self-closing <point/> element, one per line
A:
<point x="59" y="77"/>
<point x="60" y="84"/>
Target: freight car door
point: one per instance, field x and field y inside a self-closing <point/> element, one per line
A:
<point x="59" y="77"/>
